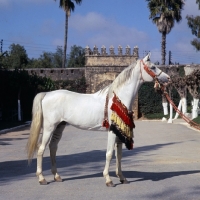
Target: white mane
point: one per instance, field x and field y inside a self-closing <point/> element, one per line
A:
<point x="119" y="80"/>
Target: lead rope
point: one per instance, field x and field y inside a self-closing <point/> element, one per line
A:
<point x="189" y="121"/>
<point x="158" y="87"/>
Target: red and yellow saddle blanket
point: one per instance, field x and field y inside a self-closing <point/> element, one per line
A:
<point x="122" y="122"/>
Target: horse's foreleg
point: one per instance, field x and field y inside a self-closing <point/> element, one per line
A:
<point x="45" y="139"/>
<point x="118" y="154"/>
<point x="109" y="153"/>
<point x="53" y="146"/>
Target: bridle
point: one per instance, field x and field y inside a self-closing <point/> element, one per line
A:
<point x="149" y="71"/>
<point x="152" y="74"/>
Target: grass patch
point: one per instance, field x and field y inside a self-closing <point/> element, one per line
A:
<point x="197" y="120"/>
<point x="156" y="116"/>
<point x="10" y="124"/>
<point x="161" y="115"/>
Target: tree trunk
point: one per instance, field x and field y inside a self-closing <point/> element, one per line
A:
<point x="179" y="108"/>
<point x="65" y="41"/>
<point x="195" y="107"/>
<point x="165" y="105"/>
<point x="170" y="120"/>
<point x="163" y="47"/>
<point x="182" y="91"/>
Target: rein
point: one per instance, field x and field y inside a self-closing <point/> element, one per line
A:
<point x="189" y="121"/>
<point x="151" y="73"/>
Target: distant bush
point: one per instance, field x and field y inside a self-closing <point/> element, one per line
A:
<point x="150" y="102"/>
<point x="18" y="84"/>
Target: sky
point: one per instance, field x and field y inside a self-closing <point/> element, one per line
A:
<point x="38" y="25"/>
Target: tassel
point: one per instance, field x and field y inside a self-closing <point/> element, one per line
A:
<point x="105" y="123"/>
<point x="124" y="115"/>
<point x="122" y="122"/>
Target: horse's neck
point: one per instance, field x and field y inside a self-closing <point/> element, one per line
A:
<point x="129" y="90"/>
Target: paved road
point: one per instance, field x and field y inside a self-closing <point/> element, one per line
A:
<point x="165" y="164"/>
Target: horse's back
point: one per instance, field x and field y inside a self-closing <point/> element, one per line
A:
<point x="82" y="110"/>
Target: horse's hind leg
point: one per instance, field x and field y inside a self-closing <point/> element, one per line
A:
<point x="53" y="146"/>
<point x="47" y="132"/>
<point x="118" y="154"/>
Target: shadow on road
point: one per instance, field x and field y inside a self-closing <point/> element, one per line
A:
<point x="140" y="176"/>
<point x="90" y="160"/>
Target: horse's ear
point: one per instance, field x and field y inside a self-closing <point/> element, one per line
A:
<point x="147" y="57"/>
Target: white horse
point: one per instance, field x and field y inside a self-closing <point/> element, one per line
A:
<point x="52" y="110"/>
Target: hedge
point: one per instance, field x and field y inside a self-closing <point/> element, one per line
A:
<point x="19" y="84"/>
<point x="150" y="102"/>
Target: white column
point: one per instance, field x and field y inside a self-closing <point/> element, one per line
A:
<point x="195" y="108"/>
<point x="171" y="114"/>
<point x="184" y="105"/>
<point x="165" y="109"/>
<point x="179" y="107"/>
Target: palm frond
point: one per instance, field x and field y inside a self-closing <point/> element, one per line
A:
<point x="68" y="5"/>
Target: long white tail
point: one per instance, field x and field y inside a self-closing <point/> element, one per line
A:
<point x="37" y="119"/>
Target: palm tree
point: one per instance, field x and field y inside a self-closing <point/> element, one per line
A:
<point x="164" y="13"/>
<point x="198" y="3"/>
<point x="67" y="6"/>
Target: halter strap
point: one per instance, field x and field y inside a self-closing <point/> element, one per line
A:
<point x="105" y="120"/>
<point x="151" y="73"/>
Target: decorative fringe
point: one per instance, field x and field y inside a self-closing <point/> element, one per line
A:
<point x="122" y="122"/>
<point x="125" y="129"/>
<point x="128" y="141"/>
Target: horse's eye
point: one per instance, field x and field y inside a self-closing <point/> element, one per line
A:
<point x="153" y="67"/>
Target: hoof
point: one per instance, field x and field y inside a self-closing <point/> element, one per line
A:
<point x="43" y="182"/>
<point x="124" y="181"/>
<point x="58" y="179"/>
<point x="110" y="184"/>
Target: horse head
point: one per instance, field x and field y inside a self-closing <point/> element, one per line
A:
<point x="150" y="72"/>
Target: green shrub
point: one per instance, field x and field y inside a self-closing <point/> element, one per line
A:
<point x="197" y="120"/>
<point x="150" y="102"/>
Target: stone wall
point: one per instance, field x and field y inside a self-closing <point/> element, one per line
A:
<point x="95" y="58"/>
<point x="102" y="68"/>
<point x="59" y="73"/>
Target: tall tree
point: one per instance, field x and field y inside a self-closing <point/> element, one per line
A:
<point x="76" y="57"/>
<point x="164" y="13"/>
<point x="58" y="55"/>
<point x="16" y="57"/>
<point x="47" y="60"/>
<point x="194" y="25"/>
<point x="68" y="6"/>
